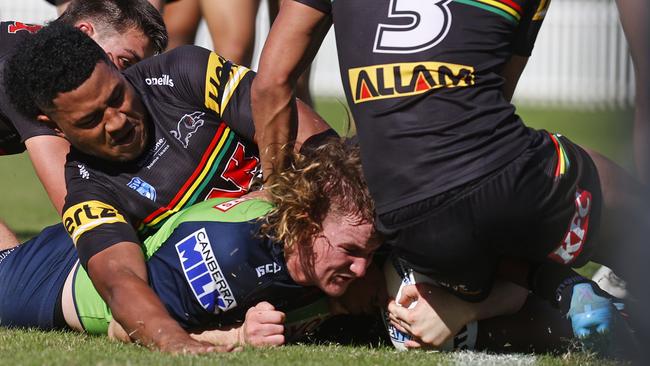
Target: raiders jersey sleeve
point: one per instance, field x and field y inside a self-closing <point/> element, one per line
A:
<point x="15" y="127"/>
<point x="201" y="146"/>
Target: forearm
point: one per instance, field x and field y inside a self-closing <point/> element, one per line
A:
<point x="274" y="115"/>
<point x="505" y="298"/>
<point x="226" y="336"/>
<point x="119" y="275"/>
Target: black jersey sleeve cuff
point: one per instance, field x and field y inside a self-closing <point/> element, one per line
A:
<point x="322" y="5"/>
<point x="92" y="243"/>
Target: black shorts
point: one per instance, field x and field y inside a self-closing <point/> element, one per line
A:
<point x="544" y="205"/>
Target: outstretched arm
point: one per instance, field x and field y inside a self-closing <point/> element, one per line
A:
<point x="274" y="109"/>
<point x="119" y="275"/>
<point x="263" y="326"/>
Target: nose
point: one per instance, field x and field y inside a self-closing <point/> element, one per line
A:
<point x="359" y="265"/>
<point x="115" y="121"/>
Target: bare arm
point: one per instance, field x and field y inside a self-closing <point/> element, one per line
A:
<point x="48" y="154"/>
<point x="634" y="18"/>
<point x="7" y="238"/>
<point x="263" y="326"/>
<point x="119" y="275"/>
<point x="511" y="72"/>
<point x="291" y="46"/>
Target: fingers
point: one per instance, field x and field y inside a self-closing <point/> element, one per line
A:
<point x="409" y="296"/>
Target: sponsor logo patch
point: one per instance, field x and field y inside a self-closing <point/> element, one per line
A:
<point x="83" y="172"/>
<point x="221" y="80"/>
<point x="143" y="188"/>
<point x="572" y="244"/>
<point x="165" y="80"/>
<point x="16" y="27"/>
<point x="269" y="268"/>
<point x="88" y="215"/>
<point x="404" y="79"/>
<point x="187" y="126"/>
<point x="225" y="206"/>
<point x="203" y="273"/>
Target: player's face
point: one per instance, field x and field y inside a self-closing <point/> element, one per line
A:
<point x="103" y="117"/>
<point x="124" y="49"/>
<point x="341" y="253"/>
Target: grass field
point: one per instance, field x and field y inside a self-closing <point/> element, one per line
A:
<point x="26" y="209"/>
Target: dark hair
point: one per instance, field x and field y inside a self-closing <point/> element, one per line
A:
<point x="120" y="16"/>
<point x="56" y="59"/>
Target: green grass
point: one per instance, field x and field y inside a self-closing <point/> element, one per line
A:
<point x="29" y="347"/>
<point x="26" y="209"/>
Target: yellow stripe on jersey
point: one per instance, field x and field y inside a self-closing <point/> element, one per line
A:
<point x="540" y="13"/>
<point x="88" y="215"/>
<point x="503" y="7"/>
<point x="213" y="81"/>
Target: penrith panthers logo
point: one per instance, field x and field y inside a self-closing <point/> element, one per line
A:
<point x="187" y="126"/>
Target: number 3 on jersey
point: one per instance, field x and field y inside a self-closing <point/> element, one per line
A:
<point x="429" y="22"/>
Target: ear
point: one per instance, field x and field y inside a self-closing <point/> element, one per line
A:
<point x="87" y="28"/>
<point x="51" y="124"/>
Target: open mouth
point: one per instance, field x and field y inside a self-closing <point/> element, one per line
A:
<point x="125" y="137"/>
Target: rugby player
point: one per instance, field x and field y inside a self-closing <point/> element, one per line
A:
<point x="167" y="133"/>
<point x="128" y="31"/>
<point x="237" y="268"/>
<point x="459" y="182"/>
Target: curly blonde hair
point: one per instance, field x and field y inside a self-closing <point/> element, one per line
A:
<point x="325" y="179"/>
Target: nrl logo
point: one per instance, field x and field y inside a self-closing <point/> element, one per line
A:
<point x="187" y="126"/>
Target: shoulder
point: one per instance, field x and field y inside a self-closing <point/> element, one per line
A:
<point x="241" y="209"/>
<point x="13" y="32"/>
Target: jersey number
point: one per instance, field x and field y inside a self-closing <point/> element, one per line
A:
<point x="428" y="24"/>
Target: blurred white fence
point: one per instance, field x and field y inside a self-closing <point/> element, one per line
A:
<point x="580" y="58"/>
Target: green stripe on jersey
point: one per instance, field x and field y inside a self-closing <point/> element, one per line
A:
<point x="489" y="8"/>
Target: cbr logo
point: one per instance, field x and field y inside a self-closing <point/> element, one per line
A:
<point x="571" y="246"/>
<point x="86" y="216"/>
<point x="187" y="126"/>
<point x="18" y="26"/>
<point x="404" y="79"/>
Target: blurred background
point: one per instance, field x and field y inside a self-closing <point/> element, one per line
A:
<point x="579" y="82"/>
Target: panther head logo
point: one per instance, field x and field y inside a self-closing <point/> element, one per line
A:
<point x="187" y="126"/>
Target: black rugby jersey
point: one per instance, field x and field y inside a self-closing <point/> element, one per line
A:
<point x="201" y="146"/>
<point x="15" y="128"/>
<point x="422" y="81"/>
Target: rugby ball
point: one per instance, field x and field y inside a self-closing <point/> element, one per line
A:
<point x="397" y="276"/>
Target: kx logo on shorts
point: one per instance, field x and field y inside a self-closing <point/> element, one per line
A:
<point x="203" y="273"/>
<point x="571" y="246"/>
